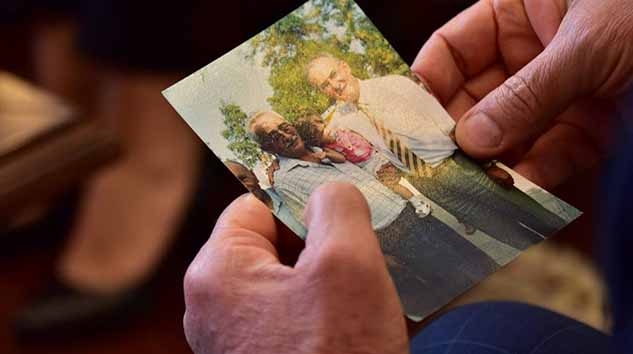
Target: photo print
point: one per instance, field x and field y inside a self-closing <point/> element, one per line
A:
<point x="321" y="96"/>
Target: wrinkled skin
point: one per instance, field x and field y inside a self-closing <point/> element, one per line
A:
<point x="338" y="298"/>
<point x="542" y="73"/>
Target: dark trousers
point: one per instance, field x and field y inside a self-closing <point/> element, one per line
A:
<point x="508" y="328"/>
<point x="501" y="327"/>
<point x="429" y="262"/>
<point x="462" y="188"/>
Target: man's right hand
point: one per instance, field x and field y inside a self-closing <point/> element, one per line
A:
<point x="533" y="80"/>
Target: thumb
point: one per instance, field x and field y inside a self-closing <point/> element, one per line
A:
<point x="523" y="106"/>
<point x="340" y="230"/>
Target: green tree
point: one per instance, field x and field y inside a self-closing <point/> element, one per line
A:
<point x="336" y="27"/>
<point x="240" y="143"/>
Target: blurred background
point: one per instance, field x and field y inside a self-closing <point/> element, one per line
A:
<point x="106" y="195"/>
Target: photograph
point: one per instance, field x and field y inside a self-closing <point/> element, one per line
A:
<point x="321" y="97"/>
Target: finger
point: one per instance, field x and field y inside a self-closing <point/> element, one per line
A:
<point x="474" y="90"/>
<point x="545" y="16"/>
<point x="240" y="251"/>
<point x="517" y="41"/>
<point x="243" y="238"/>
<point x="486" y="81"/>
<point x="249" y="214"/>
<point x="557" y="155"/>
<point x="458" y="50"/>
<point x="339" y="227"/>
<point x="524" y="105"/>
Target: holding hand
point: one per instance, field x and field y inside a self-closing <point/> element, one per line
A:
<point x="532" y="79"/>
<point x="338" y="298"/>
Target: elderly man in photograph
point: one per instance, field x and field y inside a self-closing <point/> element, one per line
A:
<point x="430" y="262"/>
<point x="409" y="126"/>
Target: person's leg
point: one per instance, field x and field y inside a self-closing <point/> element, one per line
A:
<point x="532" y="213"/>
<point x="430" y="263"/>
<point x="131" y="210"/>
<point x="464" y="195"/>
<point x="508" y="328"/>
<point x="129" y="213"/>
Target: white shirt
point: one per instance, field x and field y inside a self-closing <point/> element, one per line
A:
<point x="296" y="180"/>
<point x="405" y="108"/>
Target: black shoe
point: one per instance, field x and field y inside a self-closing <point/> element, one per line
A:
<point x="63" y="310"/>
<point x="43" y="234"/>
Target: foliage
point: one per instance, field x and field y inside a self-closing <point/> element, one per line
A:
<point x="335" y="27"/>
<point x="235" y="121"/>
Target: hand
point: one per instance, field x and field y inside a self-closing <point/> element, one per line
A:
<point x="334" y="156"/>
<point x="270" y="171"/>
<point x="321" y="155"/>
<point x="533" y="80"/>
<point x="338" y="298"/>
<point x="388" y="174"/>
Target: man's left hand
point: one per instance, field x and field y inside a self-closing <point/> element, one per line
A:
<point x="338" y="298"/>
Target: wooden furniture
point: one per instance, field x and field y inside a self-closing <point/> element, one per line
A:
<point x="44" y="147"/>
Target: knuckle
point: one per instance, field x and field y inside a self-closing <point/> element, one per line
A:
<point x="342" y="264"/>
<point x="189" y="325"/>
<point x="201" y="283"/>
<point x="579" y="42"/>
<point x="192" y="286"/>
<point x="518" y="100"/>
<point x="199" y="333"/>
<point x="330" y="261"/>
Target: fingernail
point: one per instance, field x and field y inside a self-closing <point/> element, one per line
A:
<point x="483" y="131"/>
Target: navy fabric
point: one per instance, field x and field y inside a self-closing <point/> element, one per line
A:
<point x="616" y="228"/>
<point x="508" y="328"/>
<point x="513" y="328"/>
